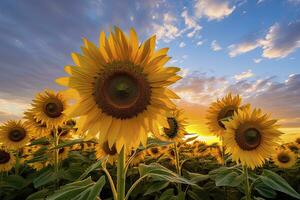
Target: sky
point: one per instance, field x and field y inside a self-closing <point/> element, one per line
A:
<point x="248" y="47"/>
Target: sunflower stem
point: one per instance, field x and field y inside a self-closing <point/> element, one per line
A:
<point x="111" y="182"/>
<point x="178" y="168"/>
<point x="121" y="175"/>
<point x="17" y="166"/>
<point x="56" y="160"/>
<point x="247" y="185"/>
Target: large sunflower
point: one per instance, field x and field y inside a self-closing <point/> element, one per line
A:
<point x="7" y="160"/>
<point x="48" y="108"/>
<point x="121" y="88"/>
<point x="39" y="129"/>
<point x="103" y="150"/>
<point x="15" y="134"/>
<point x="284" y="158"/>
<point x="222" y="110"/>
<point x="251" y="137"/>
<point x="175" y="131"/>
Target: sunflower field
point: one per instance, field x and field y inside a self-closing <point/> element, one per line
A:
<point x="115" y="133"/>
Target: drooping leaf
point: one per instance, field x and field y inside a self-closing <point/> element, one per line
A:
<point x="156" y="186"/>
<point x="158" y="172"/>
<point x="94" y="166"/>
<point x="276" y="182"/>
<point x="79" y="190"/>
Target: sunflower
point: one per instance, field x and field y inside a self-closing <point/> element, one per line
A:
<point x="171" y="155"/>
<point x="64" y="132"/>
<point x="121" y="89"/>
<point x="63" y="152"/>
<point x="154" y="152"/>
<point x="7" y="160"/>
<point x="251" y="137"/>
<point x="15" y="134"/>
<point x="48" y="108"/>
<point x="297" y="141"/>
<point x="175" y="131"/>
<point x="138" y="158"/>
<point x="222" y="110"/>
<point x="103" y="150"/>
<point x="88" y="146"/>
<point x="284" y="158"/>
<point x="38" y="128"/>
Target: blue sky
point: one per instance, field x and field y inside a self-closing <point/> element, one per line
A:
<point x="250" y="47"/>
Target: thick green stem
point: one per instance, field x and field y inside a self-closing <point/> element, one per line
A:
<point x="56" y="157"/>
<point x="178" y="168"/>
<point x="121" y="175"/>
<point x="247" y="185"/>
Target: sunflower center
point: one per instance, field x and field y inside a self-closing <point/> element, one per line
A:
<point x="172" y="131"/>
<point x="53" y="108"/>
<point x="110" y="151"/>
<point x="248" y="139"/>
<point x="283" y="158"/>
<point x="154" y="150"/>
<point x="60" y="151"/>
<point x="122" y="91"/>
<point x="4" y="157"/>
<point x="17" y="135"/>
<point x="225" y="115"/>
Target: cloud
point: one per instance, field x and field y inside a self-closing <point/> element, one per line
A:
<point x="244" y="75"/>
<point x="182" y="44"/>
<point x="191" y="24"/>
<point x="280" y="41"/>
<point x="281" y="99"/>
<point x="257" y="60"/>
<point x="37" y="37"/>
<point x="237" y="49"/>
<point x="213" y="9"/>
<point x="11" y="107"/>
<point x="199" y="43"/>
<point x="168" y="30"/>
<point x="215" y="46"/>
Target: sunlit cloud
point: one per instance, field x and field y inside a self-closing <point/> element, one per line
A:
<point x="213" y="9"/>
<point x="244" y="75"/>
<point x="280" y="41"/>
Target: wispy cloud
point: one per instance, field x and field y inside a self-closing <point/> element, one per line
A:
<point x="280" y="41"/>
<point x="244" y="75"/>
<point x="182" y="44"/>
<point x="213" y="9"/>
<point x="215" y="46"/>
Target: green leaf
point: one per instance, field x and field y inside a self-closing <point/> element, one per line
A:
<point x="195" y="177"/>
<point x="68" y="143"/>
<point x="265" y="190"/>
<point x="90" y="169"/>
<point x="14" y="181"/>
<point x="46" y="176"/>
<point x="97" y="188"/>
<point x="276" y="182"/>
<point x="232" y="179"/>
<point x="79" y="190"/>
<point x="192" y="195"/>
<point x="40" y="195"/>
<point x="156" y="187"/>
<point x="42" y="141"/>
<point x="167" y="195"/>
<point x="159" y="172"/>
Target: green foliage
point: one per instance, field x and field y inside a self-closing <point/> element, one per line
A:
<point x="79" y="190"/>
